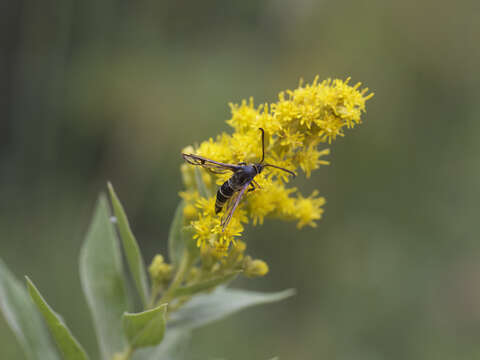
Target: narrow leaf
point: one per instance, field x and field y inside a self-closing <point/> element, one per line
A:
<point x="146" y="328"/>
<point x="102" y="279"/>
<point x="176" y="241"/>
<point x="205" y="285"/>
<point x="130" y="246"/>
<point x="66" y="342"/>
<point x="24" y="319"/>
<point x="206" y="308"/>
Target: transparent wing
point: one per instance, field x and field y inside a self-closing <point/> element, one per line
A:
<point x="213" y="166"/>
<point x="232" y="204"/>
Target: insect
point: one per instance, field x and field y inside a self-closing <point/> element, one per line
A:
<point x="236" y="186"/>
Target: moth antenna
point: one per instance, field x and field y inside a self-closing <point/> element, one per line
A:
<point x="278" y="167"/>
<point x="263" y="144"/>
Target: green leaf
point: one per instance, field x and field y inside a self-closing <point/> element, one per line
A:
<point x="206" y="308"/>
<point x="173" y="347"/>
<point x="176" y="240"/>
<point x="146" y="328"/>
<point x="132" y="251"/>
<point x="102" y="279"/>
<point x="68" y="345"/>
<point x="205" y="285"/>
<point x="24" y="319"/>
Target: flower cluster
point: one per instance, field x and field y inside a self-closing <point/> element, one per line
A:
<point x="296" y="126"/>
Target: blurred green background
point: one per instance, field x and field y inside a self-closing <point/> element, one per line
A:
<point x="92" y="91"/>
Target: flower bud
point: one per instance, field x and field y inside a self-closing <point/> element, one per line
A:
<point x="160" y="271"/>
<point x="208" y="258"/>
<point x="255" y="268"/>
<point x="235" y="256"/>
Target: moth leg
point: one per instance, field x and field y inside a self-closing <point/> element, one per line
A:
<point x="256" y="184"/>
<point x="252" y="187"/>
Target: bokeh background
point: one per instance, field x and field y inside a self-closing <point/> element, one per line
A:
<point x="92" y="91"/>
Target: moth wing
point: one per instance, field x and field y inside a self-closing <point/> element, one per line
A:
<point x="233" y="203"/>
<point x="211" y="165"/>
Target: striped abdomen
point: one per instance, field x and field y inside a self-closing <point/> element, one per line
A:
<point x="223" y="194"/>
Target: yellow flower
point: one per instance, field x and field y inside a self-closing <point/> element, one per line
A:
<point x="208" y="228"/>
<point x="272" y="199"/>
<point x="296" y="127"/>
<point x="307" y="210"/>
<point x="309" y="159"/>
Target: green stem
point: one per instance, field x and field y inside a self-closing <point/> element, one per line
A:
<point x="153" y="296"/>
<point x="183" y="267"/>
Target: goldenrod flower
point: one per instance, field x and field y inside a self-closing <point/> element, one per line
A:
<point x="307" y="210"/>
<point x="296" y="127"/>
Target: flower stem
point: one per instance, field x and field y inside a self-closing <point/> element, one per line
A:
<point x="183" y="267"/>
<point x="153" y="296"/>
